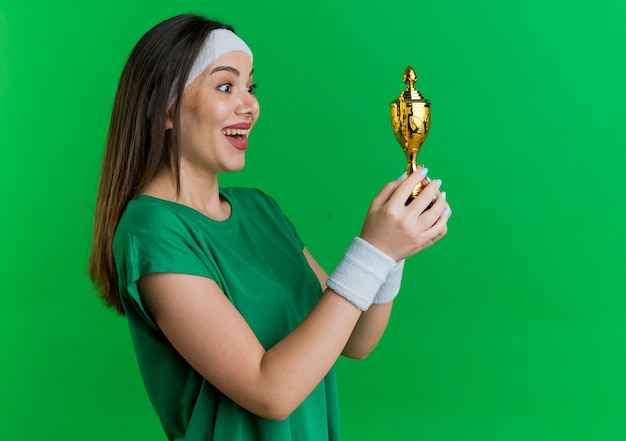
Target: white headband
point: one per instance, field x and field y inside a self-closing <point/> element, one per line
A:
<point x="218" y="43"/>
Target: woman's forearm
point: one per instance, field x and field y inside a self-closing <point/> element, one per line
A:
<point x="368" y="331"/>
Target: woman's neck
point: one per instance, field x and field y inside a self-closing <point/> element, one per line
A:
<point x="197" y="191"/>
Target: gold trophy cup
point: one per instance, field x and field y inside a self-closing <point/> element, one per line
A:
<point x="410" y="120"/>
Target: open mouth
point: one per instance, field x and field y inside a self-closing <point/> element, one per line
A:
<point x="238" y="138"/>
<point x="236" y="133"/>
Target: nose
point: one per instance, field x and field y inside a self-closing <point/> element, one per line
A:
<point x="248" y="105"/>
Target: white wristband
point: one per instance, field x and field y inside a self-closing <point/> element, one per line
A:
<point x="391" y="286"/>
<point x="360" y="273"/>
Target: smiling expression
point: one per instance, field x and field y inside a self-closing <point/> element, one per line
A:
<point x="218" y="111"/>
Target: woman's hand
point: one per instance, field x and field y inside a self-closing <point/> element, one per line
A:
<point x="401" y="230"/>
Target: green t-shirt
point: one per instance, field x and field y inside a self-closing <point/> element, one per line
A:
<point x="256" y="258"/>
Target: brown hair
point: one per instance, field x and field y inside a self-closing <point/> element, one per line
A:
<point x="137" y="144"/>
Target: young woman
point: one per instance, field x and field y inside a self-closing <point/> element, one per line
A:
<point x="235" y="326"/>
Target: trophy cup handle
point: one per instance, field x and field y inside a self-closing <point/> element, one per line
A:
<point x="396" y="123"/>
<point x="395" y="117"/>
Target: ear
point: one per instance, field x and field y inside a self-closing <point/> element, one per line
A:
<point x="168" y="122"/>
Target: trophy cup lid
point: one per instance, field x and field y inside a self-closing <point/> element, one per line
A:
<point x="410" y="93"/>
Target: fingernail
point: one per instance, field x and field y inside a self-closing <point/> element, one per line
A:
<point x="438" y="181"/>
<point x="402" y="176"/>
<point x="428" y="179"/>
<point x="447" y="212"/>
<point x="424" y="171"/>
<point x="443" y="195"/>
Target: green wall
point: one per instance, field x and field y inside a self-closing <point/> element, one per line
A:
<point x="511" y="328"/>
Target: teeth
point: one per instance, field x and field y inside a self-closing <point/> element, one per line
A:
<point x="232" y="132"/>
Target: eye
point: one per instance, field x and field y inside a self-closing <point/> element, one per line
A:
<point x="226" y="87"/>
<point x="252" y="88"/>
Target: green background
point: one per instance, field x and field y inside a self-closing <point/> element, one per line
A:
<point x="510" y="328"/>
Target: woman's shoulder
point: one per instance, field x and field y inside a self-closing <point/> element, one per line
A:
<point x="258" y="205"/>
<point x="149" y="213"/>
<point x="249" y="195"/>
<point x="244" y="192"/>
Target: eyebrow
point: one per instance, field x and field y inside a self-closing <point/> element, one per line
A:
<point x="228" y="69"/>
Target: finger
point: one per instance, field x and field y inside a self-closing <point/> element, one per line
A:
<point x="440" y="234"/>
<point x="429" y="194"/>
<point x="403" y="192"/>
<point x="439" y="208"/>
<point x="427" y="218"/>
<point x="385" y="193"/>
<point x="440" y="225"/>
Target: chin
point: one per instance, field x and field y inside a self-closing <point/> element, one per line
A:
<point x="231" y="168"/>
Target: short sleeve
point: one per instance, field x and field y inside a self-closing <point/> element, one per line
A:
<point x="154" y="241"/>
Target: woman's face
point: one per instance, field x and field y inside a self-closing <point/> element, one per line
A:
<point x="218" y="111"/>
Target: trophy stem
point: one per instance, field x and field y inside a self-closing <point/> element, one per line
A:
<point x="411" y="161"/>
<point x="411" y="167"/>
